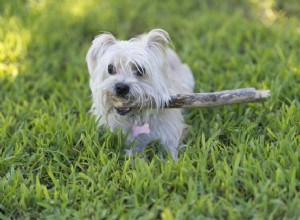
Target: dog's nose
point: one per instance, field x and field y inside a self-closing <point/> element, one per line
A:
<point x="122" y="89"/>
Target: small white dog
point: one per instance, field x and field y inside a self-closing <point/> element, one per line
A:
<point x="141" y="69"/>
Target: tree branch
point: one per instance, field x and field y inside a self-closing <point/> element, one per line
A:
<point x="202" y="100"/>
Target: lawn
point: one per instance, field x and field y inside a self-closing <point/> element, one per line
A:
<point x="241" y="161"/>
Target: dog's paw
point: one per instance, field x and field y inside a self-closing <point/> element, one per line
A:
<point x="129" y="152"/>
<point x="132" y="151"/>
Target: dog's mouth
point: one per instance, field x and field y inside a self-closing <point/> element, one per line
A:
<point x="123" y="111"/>
<point x="121" y="105"/>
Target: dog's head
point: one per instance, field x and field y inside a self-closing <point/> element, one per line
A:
<point x="129" y="70"/>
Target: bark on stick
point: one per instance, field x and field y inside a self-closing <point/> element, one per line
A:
<point x="202" y="100"/>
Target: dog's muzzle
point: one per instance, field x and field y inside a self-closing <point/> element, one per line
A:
<point x="121" y="91"/>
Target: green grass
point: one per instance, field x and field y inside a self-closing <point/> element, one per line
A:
<point x="241" y="161"/>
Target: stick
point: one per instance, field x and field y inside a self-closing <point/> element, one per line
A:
<point x="202" y="100"/>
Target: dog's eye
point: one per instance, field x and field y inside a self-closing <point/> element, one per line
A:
<point x="140" y="71"/>
<point x="111" y="69"/>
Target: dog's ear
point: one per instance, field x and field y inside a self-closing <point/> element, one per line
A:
<point x="158" y="39"/>
<point x="99" y="45"/>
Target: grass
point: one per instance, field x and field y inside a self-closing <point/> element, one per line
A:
<point x="241" y="161"/>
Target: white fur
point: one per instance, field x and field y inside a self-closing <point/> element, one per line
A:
<point x="165" y="75"/>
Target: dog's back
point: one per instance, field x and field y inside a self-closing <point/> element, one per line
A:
<point x="179" y="74"/>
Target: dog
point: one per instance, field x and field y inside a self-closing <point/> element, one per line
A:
<point x="140" y="69"/>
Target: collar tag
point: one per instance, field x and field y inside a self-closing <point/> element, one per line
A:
<point x="144" y="129"/>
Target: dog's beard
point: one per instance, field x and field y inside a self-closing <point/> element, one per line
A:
<point x="142" y="96"/>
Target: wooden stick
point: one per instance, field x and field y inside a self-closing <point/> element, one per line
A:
<point x="202" y="100"/>
<point x="227" y="97"/>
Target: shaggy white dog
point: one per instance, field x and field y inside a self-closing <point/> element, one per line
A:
<point x="140" y="69"/>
